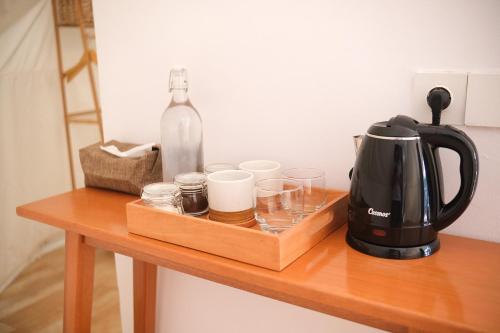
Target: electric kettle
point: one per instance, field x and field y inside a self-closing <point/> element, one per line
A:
<point x="396" y="205"/>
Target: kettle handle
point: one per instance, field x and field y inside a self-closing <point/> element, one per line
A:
<point x="454" y="139"/>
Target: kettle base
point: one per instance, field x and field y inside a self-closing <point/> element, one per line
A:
<point x="389" y="252"/>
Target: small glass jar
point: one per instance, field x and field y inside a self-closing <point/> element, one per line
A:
<point x="166" y="196"/>
<point x="193" y="186"/>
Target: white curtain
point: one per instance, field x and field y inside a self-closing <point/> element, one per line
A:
<point x="33" y="159"/>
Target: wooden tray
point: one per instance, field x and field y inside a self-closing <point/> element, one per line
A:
<point x="249" y="245"/>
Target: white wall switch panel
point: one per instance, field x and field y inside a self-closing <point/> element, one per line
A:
<point x="483" y="100"/>
<point x="456" y="83"/>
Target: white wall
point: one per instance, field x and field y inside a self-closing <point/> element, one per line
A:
<point x="294" y="80"/>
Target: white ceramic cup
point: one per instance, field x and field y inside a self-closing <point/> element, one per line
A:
<point x="230" y="190"/>
<point x="262" y="169"/>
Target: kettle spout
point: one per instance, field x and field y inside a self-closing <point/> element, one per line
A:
<point x="358" y="139"/>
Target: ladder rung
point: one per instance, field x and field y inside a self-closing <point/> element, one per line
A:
<point x="83" y="121"/>
<point x="74" y="25"/>
<point x="81" y="113"/>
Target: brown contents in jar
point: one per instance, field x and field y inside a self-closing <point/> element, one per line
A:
<point x="194" y="203"/>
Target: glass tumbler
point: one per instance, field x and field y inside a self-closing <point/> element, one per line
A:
<point x="313" y="181"/>
<point x="279" y="204"/>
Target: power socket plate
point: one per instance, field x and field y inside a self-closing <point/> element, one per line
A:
<point x="483" y="100"/>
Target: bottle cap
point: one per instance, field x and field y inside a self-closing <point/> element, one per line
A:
<point x="178" y="78"/>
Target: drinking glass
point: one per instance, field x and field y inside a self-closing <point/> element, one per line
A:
<point x="279" y="204"/>
<point x="214" y="167"/>
<point x="313" y="182"/>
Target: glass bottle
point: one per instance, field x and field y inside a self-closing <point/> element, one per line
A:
<point x="181" y="131"/>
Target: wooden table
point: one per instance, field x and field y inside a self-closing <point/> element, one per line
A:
<point x="455" y="290"/>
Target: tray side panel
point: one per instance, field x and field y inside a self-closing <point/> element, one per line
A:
<point x="313" y="229"/>
<point x="242" y="244"/>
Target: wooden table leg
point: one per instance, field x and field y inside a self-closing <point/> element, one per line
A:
<point x="78" y="284"/>
<point x="144" y="296"/>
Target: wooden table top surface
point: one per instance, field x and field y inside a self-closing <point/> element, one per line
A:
<point x="456" y="289"/>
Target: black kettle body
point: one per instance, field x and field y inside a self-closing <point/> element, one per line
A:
<point x="396" y="204"/>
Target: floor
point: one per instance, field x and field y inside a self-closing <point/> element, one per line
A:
<point x="34" y="301"/>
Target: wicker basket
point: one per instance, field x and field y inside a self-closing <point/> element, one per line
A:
<point x="67" y="12"/>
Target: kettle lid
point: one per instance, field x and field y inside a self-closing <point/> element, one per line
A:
<point x="399" y="126"/>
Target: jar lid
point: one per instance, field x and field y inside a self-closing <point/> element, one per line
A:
<point x="190" y="180"/>
<point x="160" y="191"/>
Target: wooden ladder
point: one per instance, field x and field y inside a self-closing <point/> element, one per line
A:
<point x="80" y="117"/>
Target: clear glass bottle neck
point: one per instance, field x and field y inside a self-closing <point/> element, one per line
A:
<point x="179" y="95"/>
